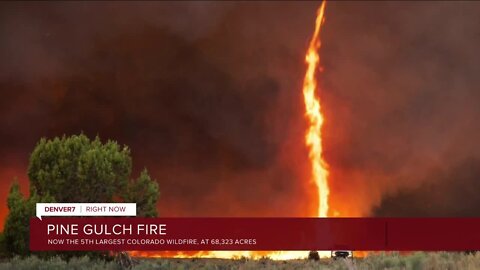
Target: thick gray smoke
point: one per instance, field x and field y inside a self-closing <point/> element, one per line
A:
<point x="208" y="96"/>
<point x="402" y="101"/>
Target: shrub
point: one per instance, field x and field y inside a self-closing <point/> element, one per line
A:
<point x="76" y="169"/>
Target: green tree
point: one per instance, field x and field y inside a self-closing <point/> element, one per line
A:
<point x="145" y="193"/>
<point x="16" y="230"/>
<point x="76" y="169"/>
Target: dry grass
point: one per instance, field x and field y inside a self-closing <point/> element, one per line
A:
<point x="391" y="261"/>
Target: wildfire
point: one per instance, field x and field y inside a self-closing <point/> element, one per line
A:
<point x="313" y="140"/>
<point x="313" y="112"/>
<point x="274" y="255"/>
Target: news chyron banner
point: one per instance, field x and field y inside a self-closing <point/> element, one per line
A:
<point x="114" y="226"/>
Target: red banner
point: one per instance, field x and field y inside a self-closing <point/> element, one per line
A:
<point x="70" y="233"/>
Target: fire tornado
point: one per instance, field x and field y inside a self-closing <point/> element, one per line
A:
<point x="313" y="138"/>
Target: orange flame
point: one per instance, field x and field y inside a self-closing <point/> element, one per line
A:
<point x="313" y="112"/>
<point x="274" y="255"/>
<point x="313" y="140"/>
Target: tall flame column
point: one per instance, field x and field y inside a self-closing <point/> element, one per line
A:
<point x="313" y="137"/>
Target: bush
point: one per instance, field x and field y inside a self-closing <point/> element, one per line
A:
<point x="3" y="248"/>
<point x="76" y="169"/>
<point x="57" y="263"/>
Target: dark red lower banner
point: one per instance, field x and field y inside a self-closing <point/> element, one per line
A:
<point x="182" y="234"/>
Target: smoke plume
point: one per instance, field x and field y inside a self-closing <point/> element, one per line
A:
<point x="208" y="97"/>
